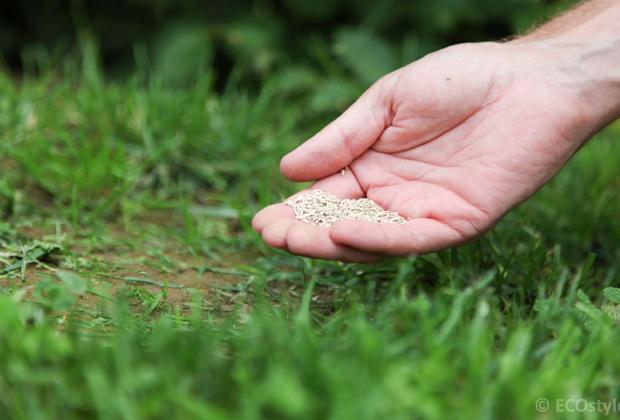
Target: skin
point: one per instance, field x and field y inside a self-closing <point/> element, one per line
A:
<point x="455" y="140"/>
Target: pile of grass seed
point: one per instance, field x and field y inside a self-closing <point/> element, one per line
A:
<point x="323" y="209"/>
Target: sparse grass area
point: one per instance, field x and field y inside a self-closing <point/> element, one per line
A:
<point x="133" y="287"/>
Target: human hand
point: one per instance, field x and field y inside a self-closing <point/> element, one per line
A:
<point x="451" y="142"/>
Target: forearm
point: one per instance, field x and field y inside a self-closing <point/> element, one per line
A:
<point x="590" y="19"/>
<point x="587" y="38"/>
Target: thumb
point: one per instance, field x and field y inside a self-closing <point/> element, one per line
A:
<point x="347" y="137"/>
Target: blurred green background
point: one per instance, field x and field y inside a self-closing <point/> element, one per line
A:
<point x="137" y="140"/>
<point x="173" y="40"/>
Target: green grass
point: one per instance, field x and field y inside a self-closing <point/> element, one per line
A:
<point x="132" y="285"/>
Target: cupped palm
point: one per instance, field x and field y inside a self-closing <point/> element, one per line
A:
<point x="450" y="142"/>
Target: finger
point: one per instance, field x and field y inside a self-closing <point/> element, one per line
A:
<point x="270" y="214"/>
<point x="311" y="241"/>
<point x="417" y="236"/>
<point x="274" y="234"/>
<point x="334" y="147"/>
<point x="315" y="242"/>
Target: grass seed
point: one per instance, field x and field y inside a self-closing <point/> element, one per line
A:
<point x="323" y="209"/>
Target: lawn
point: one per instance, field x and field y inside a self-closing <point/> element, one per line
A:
<point x="132" y="285"/>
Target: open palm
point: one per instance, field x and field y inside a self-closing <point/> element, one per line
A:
<point x="451" y="143"/>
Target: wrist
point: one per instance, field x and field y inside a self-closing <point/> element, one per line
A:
<point x="590" y="67"/>
<point x="585" y="47"/>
